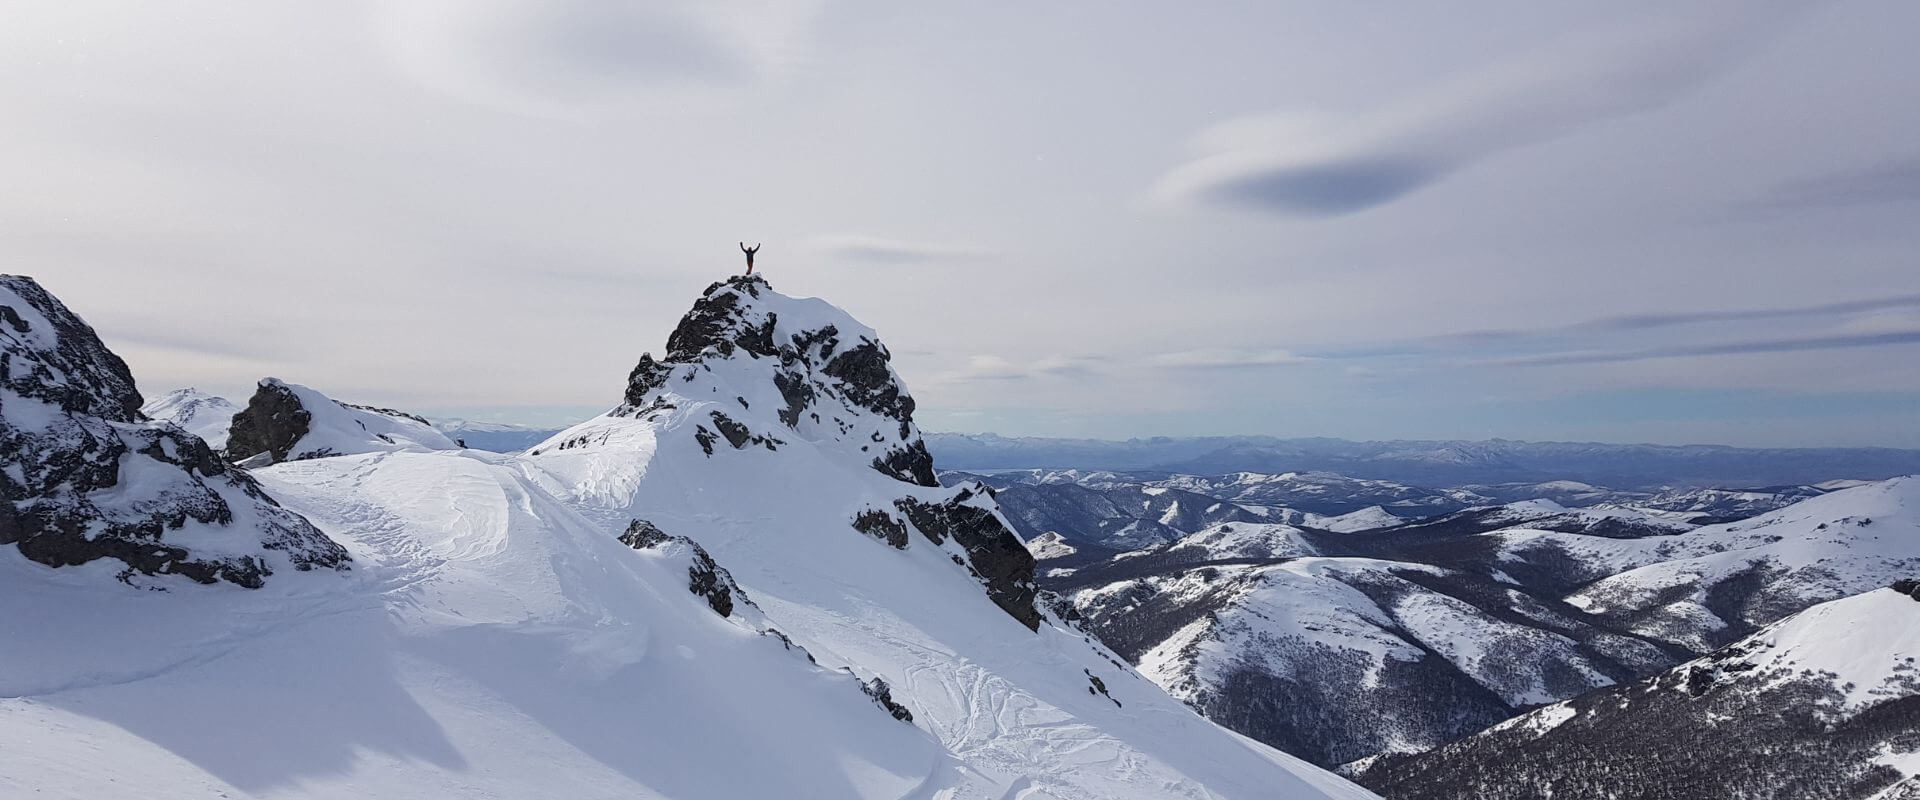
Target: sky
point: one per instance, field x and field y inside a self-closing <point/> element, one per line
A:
<point x="1606" y="221"/>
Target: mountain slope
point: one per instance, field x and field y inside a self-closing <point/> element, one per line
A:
<point x="87" y="479"/>
<point x="204" y="415"/>
<point x="1341" y="647"/>
<point x="1824" y="704"/>
<point x="755" y="593"/>
<point x="775" y="434"/>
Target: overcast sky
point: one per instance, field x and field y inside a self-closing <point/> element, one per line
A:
<point x="1615" y="221"/>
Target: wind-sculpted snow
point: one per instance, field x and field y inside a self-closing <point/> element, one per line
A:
<point x="288" y="422"/>
<point x="1824" y="705"/>
<point x="88" y="479"/>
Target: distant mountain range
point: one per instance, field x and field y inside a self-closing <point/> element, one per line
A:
<point x="1437" y="463"/>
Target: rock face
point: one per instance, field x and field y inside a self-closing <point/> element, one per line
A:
<point x="999" y="558"/>
<point x="87" y="477"/>
<point x="273" y="422"/>
<point x="704" y="577"/>
<point x="289" y="422"/>
<point x="750" y="371"/>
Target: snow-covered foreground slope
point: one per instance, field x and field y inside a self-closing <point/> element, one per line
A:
<point x="204" y="415"/>
<point x="1823" y="704"/>
<point x="499" y="636"/>
<point x="490" y="643"/>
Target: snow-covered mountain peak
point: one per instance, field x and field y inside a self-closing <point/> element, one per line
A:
<point x="289" y="422"/>
<point x="826" y="376"/>
<point x="88" y="478"/>
<point x="204" y="415"/>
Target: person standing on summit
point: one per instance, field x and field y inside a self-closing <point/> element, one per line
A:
<point x="749" y="251"/>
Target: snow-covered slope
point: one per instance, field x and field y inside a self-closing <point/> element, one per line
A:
<point x="1322" y="492"/>
<point x="86" y="480"/>
<point x="491" y="643"/>
<point x="204" y="415"/>
<point x="1366" y="519"/>
<point x="664" y="602"/>
<point x="1823" y="704"/>
<point x="1714" y="584"/>
<point x="776" y="435"/>
<point x="289" y="422"/>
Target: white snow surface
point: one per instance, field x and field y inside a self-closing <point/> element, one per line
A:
<point x="207" y="416"/>
<point x="1366" y="519"/>
<point x="1824" y="547"/>
<point x="1050" y="545"/>
<point x="495" y="639"/>
<point x="337" y="428"/>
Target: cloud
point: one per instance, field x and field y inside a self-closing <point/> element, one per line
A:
<point x="987" y="367"/>
<point x="856" y="247"/>
<point x="1785" y="345"/>
<point x="1225" y="358"/>
<point x="1890" y="182"/>
<point x="1636" y="322"/>
<point x="1303" y="168"/>
<point x="566" y="57"/>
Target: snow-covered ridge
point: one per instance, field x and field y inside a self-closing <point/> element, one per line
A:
<point x="498" y="638"/>
<point x="204" y="415"/>
<point x="87" y="478"/>
<point x="1816" y="705"/>
<point x="289" y="422"/>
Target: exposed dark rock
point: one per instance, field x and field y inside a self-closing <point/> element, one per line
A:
<point x="72" y="430"/>
<point x="736" y="433"/>
<point x="1910" y="588"/>
<point x="882" y="695"/>
<point x="705" y="577"/>
<point x="641" y="535"/>
<point x="273" y="422"/>
<point x="797" y="392"/>
<point x="881" y="525"/>
<point x="705" y="437"/>
<point x="999" y="559"/>
<point x="868" y="382"/>
<point x="716" y="323"/>
<point x="911" y="463"/>
<point x="1097" y="686"/>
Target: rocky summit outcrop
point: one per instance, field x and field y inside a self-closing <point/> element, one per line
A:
<point x="770" y="393"/>
<point x="273" y="422"/>
<point x="87" y="477"/>
<point x="830" y="379"/>
<point x="289" y="422"/>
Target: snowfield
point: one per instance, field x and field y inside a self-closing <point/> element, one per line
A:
<point x="496" y="637"/>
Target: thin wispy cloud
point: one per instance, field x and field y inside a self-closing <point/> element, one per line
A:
<point x="1330" y="169"/>
<point x="877" y="249"/>
<point x="1888" y="182"/>
<point x="1636" y="322"/>
<point x="1783" y="345"/>
<point x="1225" y="358"/>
